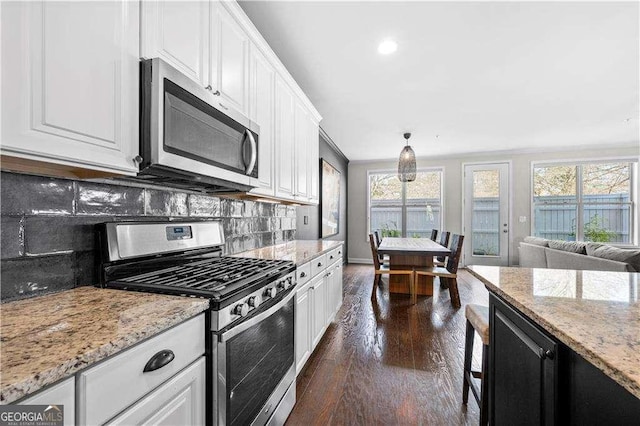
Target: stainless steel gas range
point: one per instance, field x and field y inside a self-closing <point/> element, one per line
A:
<point x="250" y="323"/>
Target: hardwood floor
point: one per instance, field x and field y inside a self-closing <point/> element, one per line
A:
<point x="384" y="361"/>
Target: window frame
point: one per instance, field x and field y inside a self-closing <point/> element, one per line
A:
<point x="633" y="202"/>
<point x="404" y="196"/>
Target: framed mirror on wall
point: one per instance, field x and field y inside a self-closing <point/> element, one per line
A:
<point x="329" y="199"/>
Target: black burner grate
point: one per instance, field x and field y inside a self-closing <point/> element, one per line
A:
<point x="214" y="277"/>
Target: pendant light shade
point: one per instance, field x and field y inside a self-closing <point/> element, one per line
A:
<point x="407" y="162"/>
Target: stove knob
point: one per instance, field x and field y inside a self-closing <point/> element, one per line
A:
<point x="271" y="292"/>
<point x="290" y="280"/>
<point x="241" y="309"/>
<point x="255" y="301"/>
<point x="284" y="284"/>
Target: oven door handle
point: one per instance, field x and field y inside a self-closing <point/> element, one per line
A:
<point x="253" y="321"/>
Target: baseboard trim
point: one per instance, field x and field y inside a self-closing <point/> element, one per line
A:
<point x="362" y="261"/>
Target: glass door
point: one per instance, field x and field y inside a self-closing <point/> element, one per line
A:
<point x="486" y="214"/>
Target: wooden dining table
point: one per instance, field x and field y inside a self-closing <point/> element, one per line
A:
<point x="406" y="253"/>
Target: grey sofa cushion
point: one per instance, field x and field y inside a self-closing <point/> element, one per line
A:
<point x="558" y="259"/>
<point x="632" y="257"/>
<point x="537" y="241"/>
<point x="570" y="246"/>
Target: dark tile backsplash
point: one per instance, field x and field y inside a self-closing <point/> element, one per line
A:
<point x="48" y="226"/>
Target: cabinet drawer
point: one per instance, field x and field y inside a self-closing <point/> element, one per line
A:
<point x="108" y="388"/>
<point x="180" y="401"/>
<point x="334" y="255"/>
<point x="303" y="273"/>
<point x="318" y="265"/>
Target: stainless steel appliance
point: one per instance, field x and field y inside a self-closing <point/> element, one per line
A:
<point x="189" y="138"/>
<point x="250" y="323"/>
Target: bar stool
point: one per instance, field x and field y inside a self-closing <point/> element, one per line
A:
<point x="477" y="320"/>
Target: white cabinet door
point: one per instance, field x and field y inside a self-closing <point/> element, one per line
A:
<point x="301" y="151"/>
<point x="70" y="78"/>
<point x="284" y="140"/>
<point x="319" y="285"/>
<point x="261" y="111"/>
<point x="61" y="394"/>
<point x="314" y="161"/>
<point x="229" y="59"/>
<point x="180" y="401"/>
<point x="303" y="327"/>
<point x="337" y="287"/>
<point x="178" y="32"/>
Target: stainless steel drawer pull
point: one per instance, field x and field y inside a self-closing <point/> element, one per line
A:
<point x="159" y="360"/>
<point x="302" y="275"/>
<point x="319" y="263"/>
<point x="330" y="257"/>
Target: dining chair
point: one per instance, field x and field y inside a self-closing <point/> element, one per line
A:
<point x="434" y="234"/>
<point x="448" y="273"/>
<point x="377" y="237"/>
<point x="384" y="259"/>
<point x="444" y="241"/>
<point x="381" y="269"/>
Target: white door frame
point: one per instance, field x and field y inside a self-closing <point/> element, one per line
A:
<point x="510" y="222"/>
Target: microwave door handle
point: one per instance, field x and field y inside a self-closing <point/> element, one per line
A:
<point x="254" y="154"/>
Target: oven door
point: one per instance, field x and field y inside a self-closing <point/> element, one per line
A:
<point x="255" y="365"/>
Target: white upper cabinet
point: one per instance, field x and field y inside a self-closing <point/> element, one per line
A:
<point x="284" y="140"/>
<point x="177" y="32"/>
<point x="261" y="111"/>
<point x="302" y="152"/>
<point x="314" y="161"/>
<point x="229" y="59"/>
<point x="70" y="83"/>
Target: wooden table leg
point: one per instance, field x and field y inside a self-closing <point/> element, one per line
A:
<point x="400" y="283"/>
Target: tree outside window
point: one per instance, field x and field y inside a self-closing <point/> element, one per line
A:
<point x="405" y="209"/>
<point x="585" y="202"/>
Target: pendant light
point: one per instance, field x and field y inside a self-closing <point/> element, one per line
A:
<point x="407" y="162"/>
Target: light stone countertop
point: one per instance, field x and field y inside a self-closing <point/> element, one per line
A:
<point x="594" y="313"/>
<point x="298" y="251"/>
<point x="49" y="338"/>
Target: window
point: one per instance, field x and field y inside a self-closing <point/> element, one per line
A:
<point x="585" y="202"/>
<point x="409" y="209"/>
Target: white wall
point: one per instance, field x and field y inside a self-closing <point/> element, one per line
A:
<point x="520" y="191"/>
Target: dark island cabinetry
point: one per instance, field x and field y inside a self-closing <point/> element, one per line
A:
<point x="536" y="380"/>
<point x="525" y="370"/>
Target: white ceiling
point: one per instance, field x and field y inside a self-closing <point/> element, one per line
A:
<point x="484" y="76"/>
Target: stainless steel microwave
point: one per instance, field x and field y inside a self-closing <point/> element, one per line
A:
<point x="188" y="139"/>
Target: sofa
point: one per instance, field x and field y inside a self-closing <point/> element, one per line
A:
<point x="553" y="254"/>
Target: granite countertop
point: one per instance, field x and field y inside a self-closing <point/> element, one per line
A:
<point x="298" y="251"/>
<point x="48" y="338"/>
<point x="594" y="313"/>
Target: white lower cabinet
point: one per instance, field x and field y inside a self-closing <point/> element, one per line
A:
<point x="303" y="325"/>
<point x="180" y="401"/>
<point x="60" y="394"/>
<point x="318" y="299"/>
<point x="146" y="373"/>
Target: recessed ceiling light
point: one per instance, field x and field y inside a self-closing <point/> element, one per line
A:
<point x="387" y="47"/>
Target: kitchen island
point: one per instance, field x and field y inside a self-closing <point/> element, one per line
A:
<point x="565" y="345"/>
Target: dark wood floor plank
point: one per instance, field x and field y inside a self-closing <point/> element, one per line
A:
<point x="385" y="361"/>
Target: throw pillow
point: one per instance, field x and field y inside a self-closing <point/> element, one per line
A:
<point x="571" y="246"/>
<point x="632" y="257"/>
<point x="537" y="241"/>
<point x="592" y="246"/>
